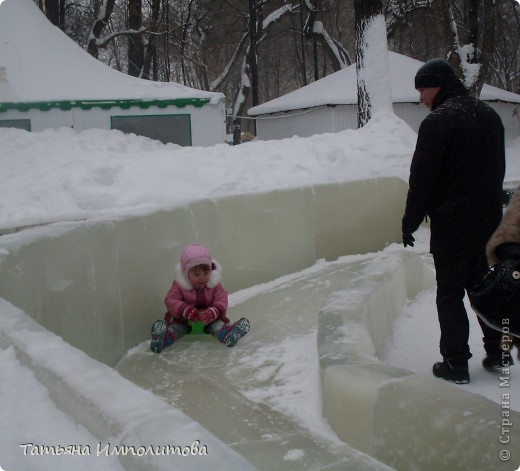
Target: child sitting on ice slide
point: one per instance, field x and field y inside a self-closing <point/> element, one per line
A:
<point x="196" y="295"/>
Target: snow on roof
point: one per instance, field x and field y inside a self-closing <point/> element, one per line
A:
<point x="340" y="88"/>
<point x="38" y="62"/>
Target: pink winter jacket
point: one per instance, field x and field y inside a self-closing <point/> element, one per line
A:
<point x="182" y="295"/>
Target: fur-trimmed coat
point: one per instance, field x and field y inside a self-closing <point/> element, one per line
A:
<point x="507" y="231"/>
<point x="182" y="295"/>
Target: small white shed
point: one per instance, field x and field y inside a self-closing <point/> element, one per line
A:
<point x="48" y="81"/>
<point x="330" y="104"/>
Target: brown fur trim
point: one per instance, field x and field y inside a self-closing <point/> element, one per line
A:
<point x="507" y="231"/>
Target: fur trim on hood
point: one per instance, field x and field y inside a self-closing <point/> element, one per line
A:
<point x="215" y="276"/>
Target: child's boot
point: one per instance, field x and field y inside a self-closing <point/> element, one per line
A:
<point x="230" y="334"/>
<point x="158" y="336"/>
<point x="163" y="335"/>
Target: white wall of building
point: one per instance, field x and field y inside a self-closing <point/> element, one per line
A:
<point x="310" y="121"/>
<point x="208" y="125"/>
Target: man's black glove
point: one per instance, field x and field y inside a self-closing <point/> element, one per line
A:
<point x="508" y="251"/>
<point x="408" y="239"/>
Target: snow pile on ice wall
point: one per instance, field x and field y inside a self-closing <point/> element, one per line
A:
<point x="100" y="284"/>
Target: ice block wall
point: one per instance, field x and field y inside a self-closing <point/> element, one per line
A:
<point x="406" y="420"/>
<point x="100" y="284"/>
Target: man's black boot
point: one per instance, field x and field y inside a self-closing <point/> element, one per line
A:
<point x="454" y="371"/>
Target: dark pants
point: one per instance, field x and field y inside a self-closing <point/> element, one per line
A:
<point x="458" y="271"/>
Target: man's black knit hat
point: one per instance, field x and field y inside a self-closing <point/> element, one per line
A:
<point x="435" y="73"/>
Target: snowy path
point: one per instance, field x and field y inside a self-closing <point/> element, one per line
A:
<point x="415" y="347"/>
<point x="263" y="396"/>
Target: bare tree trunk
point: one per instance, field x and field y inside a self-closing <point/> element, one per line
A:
<point x="255" y="31"/>
<point x="314" y="29"/>
<point x="302" y="44"/>
<point x="506" y="56"/>
<point x="397" y="11"/>
<point x="135" y="44"/>
<point x="247" y="77"/>
<point x="102" y="11"/>
<point x="315" y="58"/>
<point x="62" y="14"/>
<point x="52" y="11"/>
<point x="184" y="39"/>
<point x="167" y="63"/>
<point x="239" y="106"/>
<point x="150" y="53"/>
<point x="472" y="59"/>
<point x="487" y="45"/>
<point x="366" y="11"/>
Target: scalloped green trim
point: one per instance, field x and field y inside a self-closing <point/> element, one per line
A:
<point x="103" y="104"/>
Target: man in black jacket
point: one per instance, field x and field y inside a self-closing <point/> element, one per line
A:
<point x="456" y="180"/>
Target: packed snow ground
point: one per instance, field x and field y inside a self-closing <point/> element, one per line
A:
<point x="61" y="175"/>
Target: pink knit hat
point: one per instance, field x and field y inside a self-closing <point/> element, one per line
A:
<point x="193" y="255"/>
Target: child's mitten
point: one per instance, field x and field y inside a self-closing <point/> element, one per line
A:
<point x="209" y="315"/>
<point x="190" y="314"/>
